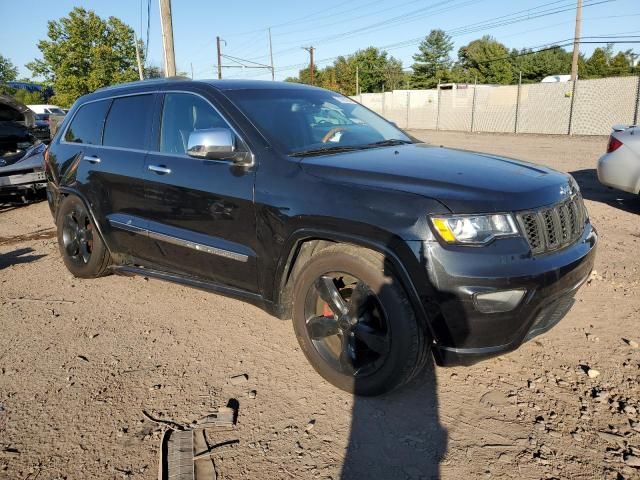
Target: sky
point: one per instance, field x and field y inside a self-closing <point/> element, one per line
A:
<point x="333" y="27"/>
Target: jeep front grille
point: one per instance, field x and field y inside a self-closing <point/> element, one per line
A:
<point x="555" y="227"/>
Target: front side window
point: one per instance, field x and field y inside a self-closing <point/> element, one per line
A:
<point x="86" y="126"/>
<point x="299" y="120"/>
<point x="183" y="113"/>
<point x="128" y="122"/>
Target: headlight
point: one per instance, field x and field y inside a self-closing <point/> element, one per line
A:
<point x="474" y="229"/>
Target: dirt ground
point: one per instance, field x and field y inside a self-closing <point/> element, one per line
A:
<point x="80" y="360"/>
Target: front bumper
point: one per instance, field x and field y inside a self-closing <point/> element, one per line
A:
<point x="21" y="184"/>
<point x="463" y="334"/>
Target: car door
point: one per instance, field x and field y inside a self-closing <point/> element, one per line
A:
<point x="200" y="212"/>
<point x="108" y="177"/>
<point x="118" y="171"/>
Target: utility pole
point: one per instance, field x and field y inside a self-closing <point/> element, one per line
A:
<point x="310" y="50"/>
<point x="191" y="70"/>
<point x="576" y="43"/>
<point x="219" y="58"/>
<point x="357" y="80"/>
<point x="273" y="72"/>
<point x="167" y="38"/>
<point x="140" y="70"/>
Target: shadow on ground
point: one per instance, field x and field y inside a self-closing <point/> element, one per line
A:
<point x="398" y="435"/>
<point x="592" y="189"/>
<point x="18" y="256"/>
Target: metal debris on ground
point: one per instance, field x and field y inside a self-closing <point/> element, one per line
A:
<point x="186" y="452"/>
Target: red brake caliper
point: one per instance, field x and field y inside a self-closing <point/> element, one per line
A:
<point x="326" y="311"/>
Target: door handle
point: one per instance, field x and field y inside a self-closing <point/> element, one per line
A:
<point x="92" y="159"/>
<point x="161" y="169"/>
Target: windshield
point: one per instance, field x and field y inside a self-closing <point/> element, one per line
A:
<point x="56" y="111"/>
<point x="300" y="120"/>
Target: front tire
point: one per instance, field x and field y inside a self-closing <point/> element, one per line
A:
<point x="82" y="250"/>
<point x="354" y="322"/>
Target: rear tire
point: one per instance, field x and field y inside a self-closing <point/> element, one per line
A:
<point x="81" y="247"/>
<point x="367" y="340"/>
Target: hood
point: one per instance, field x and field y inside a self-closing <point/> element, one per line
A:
<point x="32" y="158"/>
<point x="13" y="111"/>
<point x="464" y="181"/>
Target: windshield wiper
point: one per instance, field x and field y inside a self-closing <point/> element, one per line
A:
<point x="325" y="150"/>
<point x="387" y="143"/>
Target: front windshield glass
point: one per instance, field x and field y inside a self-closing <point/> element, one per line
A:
<point x="56" y="111"/>
<point x="301" y="120"/>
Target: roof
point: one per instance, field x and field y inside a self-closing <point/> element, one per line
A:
<point x="219" y="84"/>
<point x="253" y="84"/>
<point x="142" y="86"/>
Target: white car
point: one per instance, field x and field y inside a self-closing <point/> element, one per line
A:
<point x="619" y="168"/>
<point x="49" y="109"/>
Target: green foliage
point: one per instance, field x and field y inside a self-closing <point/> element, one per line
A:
<point x="597" y="66"/>
<point x="8" y="70"/>
<point x="486" y="60"/>
<point x="619" y="65"/>
<point x="85" y="52"/>
<point x="536" y="66"/>
<point x="153" y="71"/>
<point x="28" y="98"/>
<point x="433" y="61"/>
<point x="376" y="72"/>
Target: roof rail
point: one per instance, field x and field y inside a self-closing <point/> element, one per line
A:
<point x="148" y="81"/>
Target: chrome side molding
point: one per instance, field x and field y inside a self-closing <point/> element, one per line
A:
<point x="200" y="247"/>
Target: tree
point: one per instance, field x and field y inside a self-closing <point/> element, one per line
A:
<point x="28" y="98"/>
<point x="433" y="62"/>
<point x="486" y="60"/>
<point x="619" y="65"/>
<point x="376" y="71"/>
<point x="537" y="65"/>
<point x="153" y="71"/>
<point x="8" y="71"/>
<point x="597" y="66"/>
<point x="85" y="52"/>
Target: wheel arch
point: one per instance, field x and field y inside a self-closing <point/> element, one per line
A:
<point x="65" y="191"/>
<point x="306" y="242"/>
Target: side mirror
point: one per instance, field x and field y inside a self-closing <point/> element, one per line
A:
<point x="211" y="143"/>
<point x="217" y="144"/>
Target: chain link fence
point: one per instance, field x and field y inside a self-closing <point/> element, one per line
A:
<point x="588" y="107"/>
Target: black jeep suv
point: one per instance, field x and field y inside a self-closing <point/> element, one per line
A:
<point x="302" y="201"/>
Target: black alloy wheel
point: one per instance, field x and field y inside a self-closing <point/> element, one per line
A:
<point x="80" y="243"/>
<point x="347" y="324"/>
<point x="354" y="322"/>
<point x="77" y="235"/>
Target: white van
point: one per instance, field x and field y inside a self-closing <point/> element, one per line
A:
<point x="51" y="109"/>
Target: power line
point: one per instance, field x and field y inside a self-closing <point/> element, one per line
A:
<point x="477" y="26"/>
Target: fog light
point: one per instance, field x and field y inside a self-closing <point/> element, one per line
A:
<point x="497" y="302"/>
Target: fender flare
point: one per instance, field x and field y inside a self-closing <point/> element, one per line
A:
<point x="66" y="191"/>
<point x="298" y="237"/>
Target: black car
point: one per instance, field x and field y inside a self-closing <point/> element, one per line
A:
<point x="42" y="129"/>
<point x="300" y="200"/>
<point x="22" y="175"/>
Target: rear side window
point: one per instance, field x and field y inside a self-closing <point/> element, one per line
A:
<point x="128" y="122"/>
<point x="86" y="126"/>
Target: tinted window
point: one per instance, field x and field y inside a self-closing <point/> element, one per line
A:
<point x="183" y="113"/>
<point x="128" y="122"/>
<point x="86" y="126"/>
<point x="299" y="119"/>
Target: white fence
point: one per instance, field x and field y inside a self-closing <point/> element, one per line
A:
<point x="590" y="107"/>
